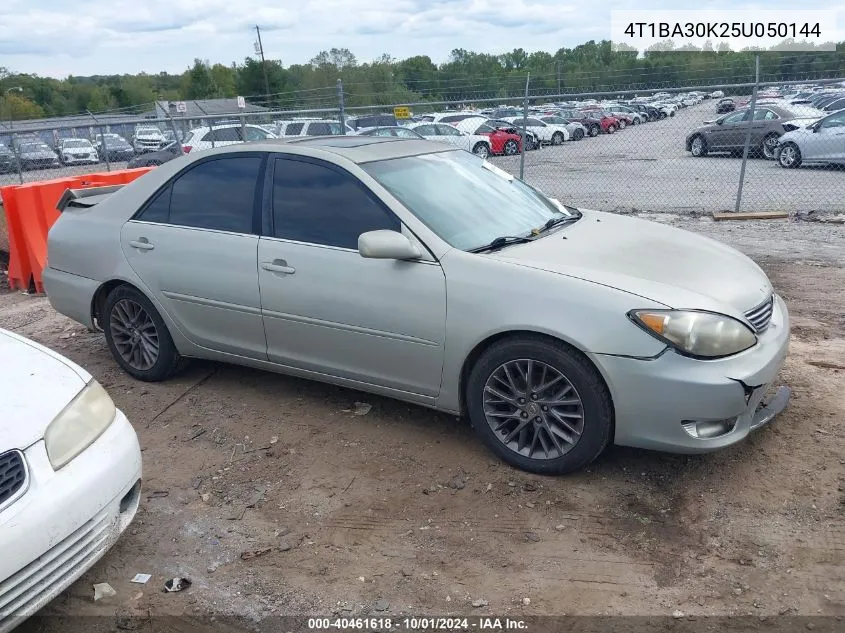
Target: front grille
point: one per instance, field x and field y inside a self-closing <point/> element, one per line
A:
<point x="760" y="316"/>
<point x="12" y="476"/>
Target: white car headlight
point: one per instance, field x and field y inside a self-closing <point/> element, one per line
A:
<point x="79" y="424"/>
<point x="698" y="334"/>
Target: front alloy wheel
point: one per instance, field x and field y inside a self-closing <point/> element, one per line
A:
<point x="533" y="409"/>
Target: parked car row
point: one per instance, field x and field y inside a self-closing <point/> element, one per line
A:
<point x="793" y="128"/>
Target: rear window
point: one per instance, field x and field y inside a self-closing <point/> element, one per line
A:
<point x="293" y="129"/>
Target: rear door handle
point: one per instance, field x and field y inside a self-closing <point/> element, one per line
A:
<point x="142" y="245"/>
<point x="278" y="266"/>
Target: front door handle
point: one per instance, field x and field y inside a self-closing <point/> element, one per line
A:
<point x="142" y="245"/>
<point x="278" y="266"/>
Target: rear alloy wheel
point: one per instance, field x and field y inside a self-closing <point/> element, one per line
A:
<point x="557" y="138"/>
<point x="790" y="156"/>
<point x="622" y="124"/>
<point x="481" y="150"/>
<point x="511" y="148"/>
<point x="137" y="336"/>
<point x="578" y="135"/>
<point x="593" y="130"/>
<point x="635" y="121"/>
<point x="770" y="144"/>
<point x="539" y="405"/>
<point x="611" y="129"/>
<point x="698" y="147"/>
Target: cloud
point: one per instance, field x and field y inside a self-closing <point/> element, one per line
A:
<point x="129" y="36"/>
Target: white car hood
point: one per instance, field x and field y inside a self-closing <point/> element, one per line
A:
<point x="35" y="385"/>
<point x="78" y="150"/>
<point x="670" y="266"/>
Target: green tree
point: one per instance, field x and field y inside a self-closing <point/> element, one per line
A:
<point x="198" y="82"/>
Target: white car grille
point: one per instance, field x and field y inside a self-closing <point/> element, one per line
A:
<point x="64" y="561"/>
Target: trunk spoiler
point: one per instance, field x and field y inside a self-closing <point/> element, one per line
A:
<point x="85" y="198"/>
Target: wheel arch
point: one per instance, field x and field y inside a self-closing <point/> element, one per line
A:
<point x="485" y="344"/>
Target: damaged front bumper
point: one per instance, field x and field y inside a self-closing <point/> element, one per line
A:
<point x="682" y="405"/>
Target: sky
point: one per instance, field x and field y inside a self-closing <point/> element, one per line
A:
<point x="57" y="38"/>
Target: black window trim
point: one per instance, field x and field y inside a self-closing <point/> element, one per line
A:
<point x="269" y="222"/>
<point x="257" y="198"/>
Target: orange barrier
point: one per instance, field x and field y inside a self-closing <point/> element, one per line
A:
<point x="31" y="211"/>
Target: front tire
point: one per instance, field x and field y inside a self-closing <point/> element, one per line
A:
<point x="611" y="129"/>
<point x="622" y="124"/>
<point x="138" y="337"/>
<point x="698" y="146"/>
<point x="790" y="156"/>
<point x="511" y="148"/>
<point x="539" y="405"/>
<point x="481" y="150"/>
<point x="578" y="135"/>
<point x="557" y="138"/>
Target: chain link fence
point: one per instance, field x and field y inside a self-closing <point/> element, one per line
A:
<point x="691" y="149"/>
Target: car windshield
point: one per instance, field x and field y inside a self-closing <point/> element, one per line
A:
<point x="76" y="143"/>
<point x="33" y="147"/>
<point x="465" y="200"/>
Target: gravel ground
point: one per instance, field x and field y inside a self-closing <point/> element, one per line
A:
<point x="400" y="510"/>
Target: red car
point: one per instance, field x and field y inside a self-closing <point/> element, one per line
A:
<point x="502" y="140"/>
<point x="609" y="124"/>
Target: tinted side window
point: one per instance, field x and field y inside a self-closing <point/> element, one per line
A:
<point x="158" y="210"/>
<point x="217" y="194"/>
<point x="316" y="204"/>
<point x="255" y="134"/>
<point x="534" y="122"/>
<point x="426" y="130"/>
<point x="294" y="129"/>
<point x="319" y="129"/>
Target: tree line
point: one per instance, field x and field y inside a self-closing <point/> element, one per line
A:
<point x="464" y="77"/>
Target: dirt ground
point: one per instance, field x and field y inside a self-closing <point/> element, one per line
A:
<point x="369" y="506"/>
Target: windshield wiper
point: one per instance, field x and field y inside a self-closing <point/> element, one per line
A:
<point x="501" y="242"/>
<point x="557" y="221"/>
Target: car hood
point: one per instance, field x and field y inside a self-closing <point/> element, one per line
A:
<point x="42" y="153"/>
<point x="35" y="385"/>
<point x="676" y="268"/>
<point x="78" y="150"/>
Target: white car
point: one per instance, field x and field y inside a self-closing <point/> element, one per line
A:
<point x="203" y="138"/>
<point x="820" y="142"/>
<point x="77" y="151"/>
<point x="70" y="475"/>
<point x="548" y="133"/>
<point x="448" y="117"/>
<point x="312" y="127"/>
<point x="147" y="138"/>
<point x="478" y="144"/>
<point x="576" y="130"/>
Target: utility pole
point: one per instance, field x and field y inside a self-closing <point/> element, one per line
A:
<point x="263" y="66"/>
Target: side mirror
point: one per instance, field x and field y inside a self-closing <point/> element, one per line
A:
<point x="386" y="245"/>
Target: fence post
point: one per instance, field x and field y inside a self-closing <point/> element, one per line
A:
<point x="748" y="132"/>
<point x="243" y="126"/>
<point x="524" y="128"/>
<point x="175" y="133"/>
<point x="210" y="124"/>
<point x="102" y="140"/>
<point x="342" y="109"/>
<point x="17" y="157"/>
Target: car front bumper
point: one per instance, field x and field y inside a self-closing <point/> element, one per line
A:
<point x="66" y="520"/>
<point x="654" y="399"/>
<point x="78" y="160"/>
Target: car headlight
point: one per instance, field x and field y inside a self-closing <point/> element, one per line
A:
<point x="79" y="424"/>
<point x="698" y="334"/>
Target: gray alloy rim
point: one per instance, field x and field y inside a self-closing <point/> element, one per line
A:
<point x="697" y="146"/>
<point x="134" y="334"/>
<point x="557" y="138"/>
<point x="533" y="409"/>
<point x="787" y="156"/>
<point x="769" y="146"/>
<point x="511" y="148"/>
<point x="481" y="150"/>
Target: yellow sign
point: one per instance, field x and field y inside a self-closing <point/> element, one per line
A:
<point x="402" y="112"/>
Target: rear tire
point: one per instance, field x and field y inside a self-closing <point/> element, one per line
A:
<point x="611" y="129"/>
<point x="593" y="131"/>
<point x="138" y="337"/>
<point x="622" y="124"/>
<point x="557" y="138"/>
<point x="578" y="135"/>
<point x="552" y="430"/>
<point x="481" y="150"/>
<point x="511" y="148"/>
<point x="769" y="145"/>
<point x="698" y="146"/>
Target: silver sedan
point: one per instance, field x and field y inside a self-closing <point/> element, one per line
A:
<point x="421" y="272"/>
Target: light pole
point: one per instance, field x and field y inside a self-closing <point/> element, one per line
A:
<point x="11" y="111"/>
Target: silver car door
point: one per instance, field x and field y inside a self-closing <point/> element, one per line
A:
<point x="829" y="138"/>
<point x="330" y="311"/>
<point x="194" y="246"/>
<point x="451" y="135"/>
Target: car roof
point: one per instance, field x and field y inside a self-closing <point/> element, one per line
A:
<point x="358" y="149"/>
